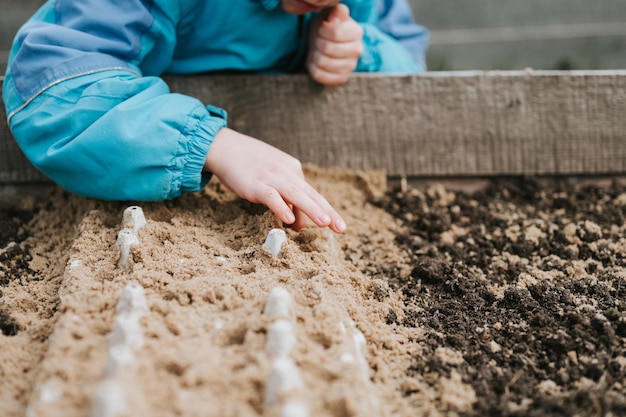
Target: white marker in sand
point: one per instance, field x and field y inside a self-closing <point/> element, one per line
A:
<point x="278" y="303"/>
<point x="130" y="308"/>
<point x="294" y="409"/>
<point x="359" y="345"/>
<point x="274" y="240"/>
<point x="280" y="339"/>
<point x="126" y="239"/>
<point x="132" y="301"/>
<point x="125" y="339"/>
<point x="133" y="218"/>
<point x="127" y="334"/>
<point x="283" y="380"/>
<point x="109" y="400"/>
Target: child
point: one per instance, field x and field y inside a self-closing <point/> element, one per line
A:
<point x="85" y="103"/>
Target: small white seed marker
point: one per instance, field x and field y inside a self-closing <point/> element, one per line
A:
<point x="278" y="303"/>
<point x="109" y="400"/>
<point x="132" y="301"/>
<point x="133" y="218"/>
<point x="126" y="339"/>
<point x="283" y="380"/>
<point x="280" y="339"/>
<point x="126" y="238"/>
<point x="127" y="334"/>
<point x="274" y="240"/>
<point x="359" y="346"/>
<point x="294" y="409"/>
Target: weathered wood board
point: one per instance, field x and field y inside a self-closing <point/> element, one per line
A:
<point x="443" y="124"/>
<point x="14" y="167"/>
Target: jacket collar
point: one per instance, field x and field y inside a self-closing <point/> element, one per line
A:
<point x="270" y="4"/>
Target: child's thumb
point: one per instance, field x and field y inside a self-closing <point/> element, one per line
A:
<point x="339" y="13"/>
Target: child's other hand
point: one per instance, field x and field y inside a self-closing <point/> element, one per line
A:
<point x="260" y="173"/>
<point x="336" y="44"/>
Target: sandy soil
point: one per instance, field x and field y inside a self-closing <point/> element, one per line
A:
<point x="401" y="316"/>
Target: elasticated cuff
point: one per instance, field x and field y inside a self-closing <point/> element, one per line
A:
<point x="370" y="60"/>
<point x="199" y="140"/>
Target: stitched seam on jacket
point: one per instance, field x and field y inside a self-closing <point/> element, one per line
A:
<point x="60" y="80"/>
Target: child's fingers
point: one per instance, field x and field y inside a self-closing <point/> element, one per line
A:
<point x="337" y="224"/>
<point x="263" y="174"/>
<point x="300" y="195"/>
<point x="301" y="220"/>
<point x="332" y="65"/>
<point x="342" y="32"/>
<point x="279" y="199"/>
<point x="338" y="26"/>
<point x="275" y="202"/>
<point x="328" y="78"/>
<point x="306" y="200"/>
<point x="332" y="49"/>
<point x="338" y="13"/>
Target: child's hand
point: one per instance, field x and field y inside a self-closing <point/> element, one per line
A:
<point x="263" y="174"/>
<point x="336" y="44"/>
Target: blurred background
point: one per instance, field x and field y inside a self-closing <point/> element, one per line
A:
<point x="480" y="34"/>
<point x="515" y="34"/>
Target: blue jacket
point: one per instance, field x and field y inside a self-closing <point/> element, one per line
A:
<point x="85" y="103"/>
<point x="395" y="18"/>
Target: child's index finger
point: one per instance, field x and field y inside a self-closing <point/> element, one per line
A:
<point x="338" y="13"/>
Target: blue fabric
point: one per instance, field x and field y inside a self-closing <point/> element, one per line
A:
<point x="86" y="106"/>
<point x="396" y="20"/>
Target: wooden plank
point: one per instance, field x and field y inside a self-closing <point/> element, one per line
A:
<point x="438" y="124"/>
<point x="14" y="167"/>
<point x="478" y="53"/>
<point x="432" y="125"/>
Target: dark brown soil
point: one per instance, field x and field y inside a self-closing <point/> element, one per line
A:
<point x="529" y="286"/>
<point x="14" y="258"/>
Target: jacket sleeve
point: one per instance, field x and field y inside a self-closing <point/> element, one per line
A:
<point x="396" y="20"/>
<point x="392" y="42"/>
<point x="85" y="108"/>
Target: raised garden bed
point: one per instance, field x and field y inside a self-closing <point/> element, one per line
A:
<point x="509" y="300"/>
<point x="506" y="300"/>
